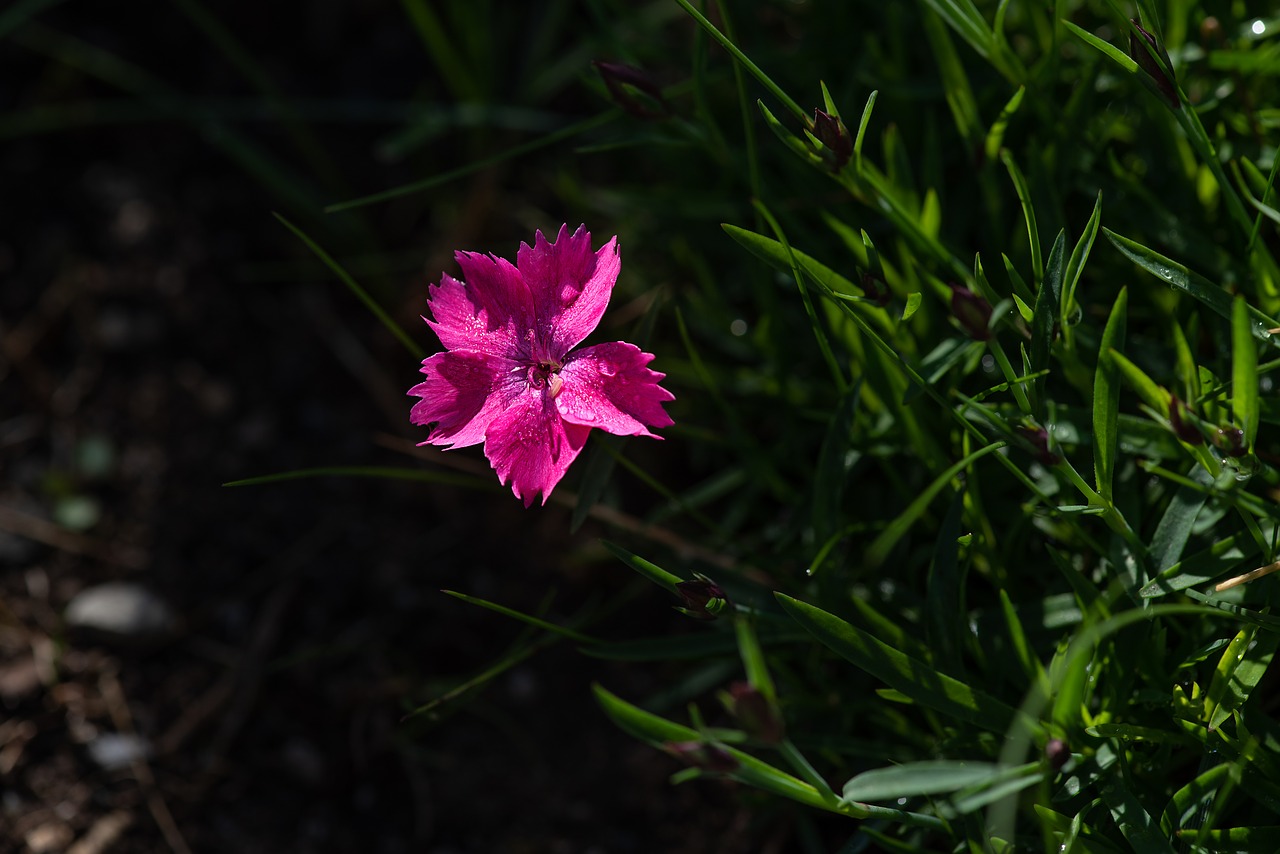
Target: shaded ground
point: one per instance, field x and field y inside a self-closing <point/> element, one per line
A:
<point x="156" y="340"/>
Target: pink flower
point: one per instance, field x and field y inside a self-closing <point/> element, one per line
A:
<point x="509" y="376"/>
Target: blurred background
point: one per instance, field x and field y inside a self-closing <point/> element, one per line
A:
<point x="190" y="667"/>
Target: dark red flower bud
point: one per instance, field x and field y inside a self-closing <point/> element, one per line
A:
<point x="703" y="598"/>
<point x="1180" y="419"/>
<point x="1038" y="438"/>
<point x="835" y="139"/>
<point x="755" y="714"/>
<point x="872" y="287"/>
<point x="633" y="90"/>
<point x="700" y="754"/>
<point x="973" y="312"/>
<point x="1057" y="753"/>
<point x="1230" y="440"/>
<point x="1160" y="74"/>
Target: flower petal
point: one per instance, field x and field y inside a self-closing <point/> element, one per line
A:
<point x="608" y="386"/>
<point x="570" y="285"/>
<point x="464" y="391"/>
<point x="490" y="313"/>
<point x="530" y="446"/>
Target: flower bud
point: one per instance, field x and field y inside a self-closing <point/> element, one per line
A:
<point x="702" y="755"/>
<point x="835" y="139"/>
<point x="1180" y="420"/>
<point x="1230" y="440"/>
<point x="755" y="714"/>
<point x="973" y="312"/>
<point x="703" y="598"/>
<point x="872" y="286"/>
<point x="633" y="90"/>
<point x="1160" y="74"/>
<point x="1038" y="437"/>
<point x="1057" y="753"/>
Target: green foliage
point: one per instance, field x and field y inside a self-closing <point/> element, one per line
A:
<point x="894" y="352"/>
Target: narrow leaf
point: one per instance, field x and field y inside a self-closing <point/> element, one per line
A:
<point x="1244" y="372"/>
<point x="1106" y="397"/>
<point x="1194" y="284"/>
<point x="912" y="677"/>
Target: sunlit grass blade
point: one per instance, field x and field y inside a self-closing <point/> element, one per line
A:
<point x="651" y="571"/>
<point x="1244" y="372"/>
<point x="659" y="731"/>
<point x="423" y="475"/>
<point x="1106" y="397"/>
<point x="1192" y="283"/>
<point x="1242" y="666"/>
<point x="1107" y="49"/>
<point x="914" y="779"/>
<point x="360" y="293"/>
<point x="912" y="677"/>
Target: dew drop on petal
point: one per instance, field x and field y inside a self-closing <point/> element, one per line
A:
<point x="608" y="369"/>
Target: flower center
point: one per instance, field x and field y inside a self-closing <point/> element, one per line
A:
<point x="546" y="374"/>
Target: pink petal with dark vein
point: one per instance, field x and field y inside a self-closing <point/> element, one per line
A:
<point x="463" y="392"/>
<point x="530" y="446"/>
<point x="570" y="285"/>
<point x="608" y="386"/>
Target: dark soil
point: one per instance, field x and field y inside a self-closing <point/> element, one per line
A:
<point x="161" y="334"/>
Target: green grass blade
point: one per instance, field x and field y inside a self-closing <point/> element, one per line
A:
<point x="736" y="53"/>
<point x="441" y="49"/>
<point x="1194" y="284"/>
<point x="361" y="294"/>
<point x="1046" y="322"/>
<point x="1109" y="50"/>
<point x="914" y="779"/>
<point x="598" y="468"/>
<point x="1179" y="517"/>
<point x="1242" y="666"/>
<point x="651" y="571"/>
<point x="1080" y="257"/>
<point x="1222" y="557"/>
<point x="658" y="731"/>
<point x="879" y="550"/>
<point x="919" y="681"/>
<point x="1135" y="823"/>
<point x="945" y="617"/>
<point x="1028" y="212"/>
<point x="963" y="16"/>
<point x="955" y="83"/>
<point x="995" y="136"/>
<point x="1106" y="397"/>
<point x="1244" y="372"/>
<point x="568" y="132"/>
<point x="442" y="477"/>
<point x="523" y="617"/>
